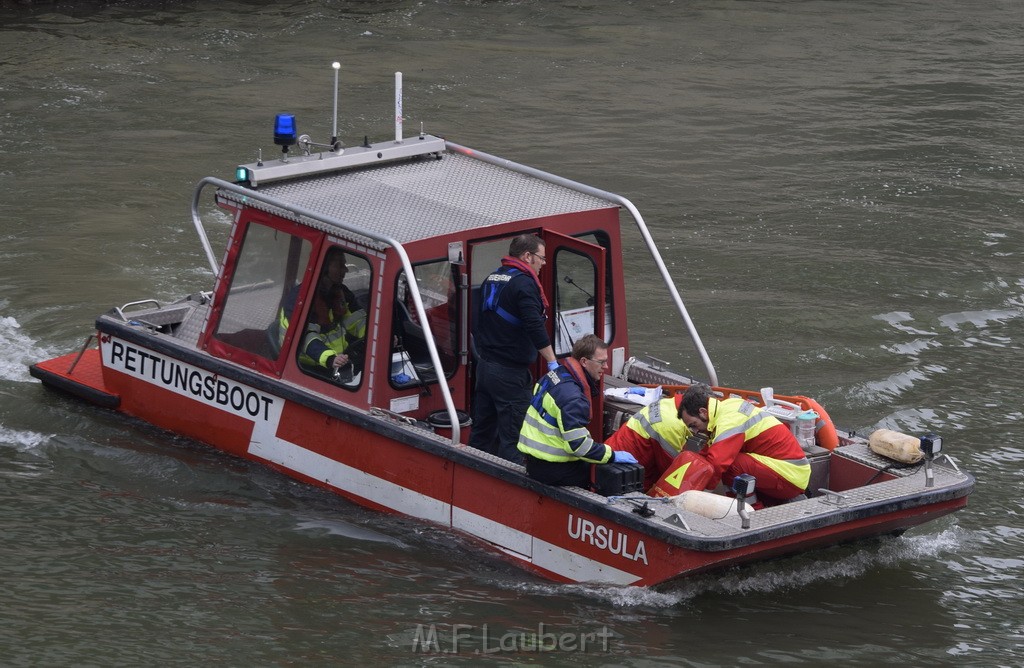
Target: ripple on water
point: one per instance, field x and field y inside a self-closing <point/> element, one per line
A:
<point x="980" y="319"/>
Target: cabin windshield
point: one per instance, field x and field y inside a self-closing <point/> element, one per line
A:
<point x="410" y="357"/>
<point x="269" y="268"/>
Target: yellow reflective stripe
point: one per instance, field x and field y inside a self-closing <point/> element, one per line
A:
<point x="324" y="356"/>
<point x="335" y="339"/>
<point x="541" y="425"/>
<point x="555" y="435"/>
<point x="652" y="433"/>
<point x="573" y="434"/>
<point x="547" y="441"/>
<point x="355" y="323"/>
<point x="795" y="471"/>
<point x="282" y="326"/>
<point x="741" y="429"/>
<point x="764" y="423"/>
<point x="755" y="423"/>
<point x="552" y="414"/>
<point x="584" y="446"/>
<point x="541" y="450"/>
<point x="533" y="441"/>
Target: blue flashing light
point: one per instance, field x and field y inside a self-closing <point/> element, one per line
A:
<point x="241" y="174"/>
<point x="285" y="133"/>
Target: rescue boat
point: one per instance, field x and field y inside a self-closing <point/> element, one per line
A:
<point x="421" y="221"/>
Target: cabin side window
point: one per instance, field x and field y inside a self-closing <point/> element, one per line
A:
<point x="410" y="357"/>
<point x="332" y="343"/>
<point x="270" y="265"/>
<point x="575" y="281"/>
<point x="601" y="239"/>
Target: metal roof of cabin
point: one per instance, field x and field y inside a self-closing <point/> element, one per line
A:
<point x="425" y="197"/>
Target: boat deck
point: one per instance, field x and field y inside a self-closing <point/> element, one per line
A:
<point x="908" y="483"/>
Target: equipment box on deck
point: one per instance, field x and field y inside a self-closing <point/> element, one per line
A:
<point x="820" y="460"/>
<point x="617" y="479"/>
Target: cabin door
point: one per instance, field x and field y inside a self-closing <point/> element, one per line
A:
<point x="574" y="282"/>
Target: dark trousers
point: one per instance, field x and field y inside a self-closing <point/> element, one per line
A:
<point x="562" y="474"/>
<point x="500" y="400"/>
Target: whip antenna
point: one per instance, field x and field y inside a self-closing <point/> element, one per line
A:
<point x="398" y="107"/>
<point x="334" y="134"/>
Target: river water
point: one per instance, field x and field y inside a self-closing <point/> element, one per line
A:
<point x="837" y="187"/>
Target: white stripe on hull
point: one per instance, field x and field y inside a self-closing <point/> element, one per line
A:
<point x="265" y="410"/>
<point x="521" y="545"/>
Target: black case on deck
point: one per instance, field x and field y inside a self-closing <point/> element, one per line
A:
<point x="616" y="479"/>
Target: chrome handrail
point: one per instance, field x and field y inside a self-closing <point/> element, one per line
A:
<point x="615" y="199"/>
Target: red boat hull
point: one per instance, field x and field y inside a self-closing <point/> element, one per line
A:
<point x="548" y="535"/>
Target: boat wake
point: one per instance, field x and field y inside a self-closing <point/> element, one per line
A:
<point x="22" y="441"/>
<point x="839" y="563"/>
<point x="846" y="563"/>
<point x="19" y="351"/>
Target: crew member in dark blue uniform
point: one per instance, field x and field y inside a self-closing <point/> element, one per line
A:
<point x="509" y="332"/>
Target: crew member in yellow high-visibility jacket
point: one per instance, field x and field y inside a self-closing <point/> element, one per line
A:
<point x="744" y="439"/>
<point x="655" y="435"/>
<point x="555" y="437"/>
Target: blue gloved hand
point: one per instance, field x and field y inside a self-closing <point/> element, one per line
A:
<point x="552" y="366"/>
<point x="636" y="390"/>
<point x="623" y="457"/>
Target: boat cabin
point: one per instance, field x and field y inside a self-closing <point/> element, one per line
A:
<point x="297" y="219"/>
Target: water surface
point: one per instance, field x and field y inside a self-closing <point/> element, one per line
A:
<point x="836" y="187"/>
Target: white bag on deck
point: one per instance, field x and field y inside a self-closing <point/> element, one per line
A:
<point x="636" y="395"/>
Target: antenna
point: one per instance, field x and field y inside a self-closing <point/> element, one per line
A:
<point x="334" y="134"/>
<point x="398" y="107"/>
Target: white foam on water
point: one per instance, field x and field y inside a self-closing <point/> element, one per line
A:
<point x="620" y="597"/>
<point x="17" y="351"/>
<point x="23" y="441"/>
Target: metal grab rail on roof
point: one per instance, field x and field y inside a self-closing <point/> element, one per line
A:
<point x="355" y="229"/>
<point x="615" y="199"/>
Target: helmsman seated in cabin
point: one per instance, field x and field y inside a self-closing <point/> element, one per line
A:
<point x="334" y="339"/>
